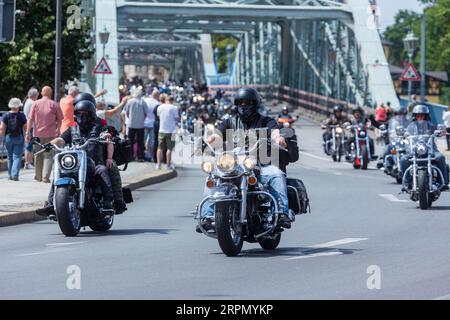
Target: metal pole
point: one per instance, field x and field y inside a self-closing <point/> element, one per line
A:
<point x="103" y="75"/>
<point x="58" y="51"/>
<point x="1" y="20"/>
<point x="410" y="82"/>
<point x="422" y="58"/>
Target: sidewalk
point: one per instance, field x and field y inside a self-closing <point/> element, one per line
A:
<point x="20" y="199"/>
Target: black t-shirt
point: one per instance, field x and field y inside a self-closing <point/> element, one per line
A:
<point x="94" y="150"/>
<point x="14" y="123"/>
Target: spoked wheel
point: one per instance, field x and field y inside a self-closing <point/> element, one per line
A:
<point x="271" y="243"/>
<point x="424" y="196"/>
<point x="229" y="233"/>
<point x="66" y="211"/>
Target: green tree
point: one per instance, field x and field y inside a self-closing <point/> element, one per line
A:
<point x="29" y="60"/>
<point x="221" y="41"/>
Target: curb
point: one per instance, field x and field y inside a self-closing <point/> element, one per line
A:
<point x="15" y="218"/>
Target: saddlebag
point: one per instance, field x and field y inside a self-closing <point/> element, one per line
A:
<point x="298" y="196"/>
<point x="123" y="152"/>
<point x="127" y="196"/>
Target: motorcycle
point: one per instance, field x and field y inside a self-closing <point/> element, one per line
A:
<point x="359" y="148"/>
<point x="77" y="201"/>
<point x="244" y="208"/>
<point x="427" y="179"/>
<point x="398" y="149"/>
<point x="335" y="146"/>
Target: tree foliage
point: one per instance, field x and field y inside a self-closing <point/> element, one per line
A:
<point x="221" y="41"/>
<point x="437" y="50"/>
<point x="29" y="60"/>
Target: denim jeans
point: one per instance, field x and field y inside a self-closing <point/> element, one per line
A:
<point x="270" y="176"/>
<point x="439" y="163"/>
<point x="14" y="145"/>
<point x="149" y="138"/>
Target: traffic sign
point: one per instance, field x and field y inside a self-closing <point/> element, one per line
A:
<point x="410" y="73"/>
<point x="102" y="67"/>
<point x="7" y="20"/>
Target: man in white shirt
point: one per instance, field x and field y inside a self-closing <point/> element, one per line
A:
<point x="33" y="94"/>
<point x="149" y="134"/>
<point x="168" y="116"/>
<point x="446" y="118"/>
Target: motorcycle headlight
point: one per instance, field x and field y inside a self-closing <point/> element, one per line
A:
<point x="249" y="163"/>
<point x="226" y="162"/>
<point x="362" y="134"/>
<point x="207" y="167"/>
<point x="339" y="130"/>
<point x="68" y="162"/>
<point x="421" y="149"/>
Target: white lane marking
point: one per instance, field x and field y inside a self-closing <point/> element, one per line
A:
<point x="392" y="198"/>
<point x="315" y="255"/>
<point x="327" y="245"/>
<point x="314" y="156"/>
<point x="337" y="243"/>
<point x="29" y="254"/>
<point x="63" y="244"/>
<point x="446" y="297"/>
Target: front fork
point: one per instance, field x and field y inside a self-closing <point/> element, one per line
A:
<point x="244" y="191"/>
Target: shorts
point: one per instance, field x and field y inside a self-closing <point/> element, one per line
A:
<point x="165" y="141"/>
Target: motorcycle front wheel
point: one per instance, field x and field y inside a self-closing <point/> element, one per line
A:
<point x="270" y="244"/>
<point x="364" y="157"/>
<point x="68" y="216"/>
<point x="230" y="240"/>
<point x="424" y="197"/>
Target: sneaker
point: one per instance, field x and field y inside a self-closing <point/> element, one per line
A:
<point x="15" y="178"/>
<point x="158" y="166"/>
<point x="170" y="167"/>
<point x="10" y="178"/>
<point x="28" y="166"/>
<point x="46" y="180"/>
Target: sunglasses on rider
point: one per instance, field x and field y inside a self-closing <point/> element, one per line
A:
<point x="244" y="102"/>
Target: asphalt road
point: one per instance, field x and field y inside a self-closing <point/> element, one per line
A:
<point x="358" y="224"/>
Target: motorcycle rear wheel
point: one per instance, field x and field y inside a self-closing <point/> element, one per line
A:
<point x="69" y="220"/>
<point x="230" y="240"/>
<point x="270" y="244"/>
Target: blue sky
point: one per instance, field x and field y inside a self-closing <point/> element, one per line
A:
<point x="389" y="8"/>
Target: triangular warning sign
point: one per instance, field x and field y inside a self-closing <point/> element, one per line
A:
<point x="102" y="67"/>
<point x="410" y="73"/>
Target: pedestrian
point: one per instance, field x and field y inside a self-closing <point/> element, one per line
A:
<point x="106" y="114"/>
<point x="168" y="117"/>
<point x="67" y="106"/>
<point x="152" y="102"/>
<point x="446" y="118"/>
<point x="12" y="125"/>
<point x="380" y="114"/>
<point x="46" y="118"/>
<point x="136" y="111"/>
<point x="32" y="95"/>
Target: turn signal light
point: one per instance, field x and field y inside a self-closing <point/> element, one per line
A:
<point x="252" y="180"/>
<point x="210" y="184"/>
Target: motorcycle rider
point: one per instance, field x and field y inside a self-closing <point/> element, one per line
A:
<point x="337" y="118"/>
<point x="247" y="101"/>
<point x="398" y="120"/>
<point x="360" y="119"/>
<point x="89" y="127"/>
<point x="285" y="113"/>
<point x="421" y="125"/>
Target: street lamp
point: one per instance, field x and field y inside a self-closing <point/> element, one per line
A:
<point x="104" y="37"/>
<point x="410" y="42"/>
<point x="229" y="50"/>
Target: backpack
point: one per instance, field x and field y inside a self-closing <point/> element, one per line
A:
<point x="13" y="127"/>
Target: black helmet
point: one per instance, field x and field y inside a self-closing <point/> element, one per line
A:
<point x="247" y="94"/>
<point x="337" y="108"/>
<point x="285" y="110"/>
<point x="84" y="96"/>
<point x="358" y="109"/>
<point x="86" y="106"/>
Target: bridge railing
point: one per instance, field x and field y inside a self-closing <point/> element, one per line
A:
<point x="295" y="97"/>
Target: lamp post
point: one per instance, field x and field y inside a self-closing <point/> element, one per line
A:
<point x="57" y="92"/>
<point x="104" y="37"/>
<point x="410" y="42"/>
<point x="229" y="50"/>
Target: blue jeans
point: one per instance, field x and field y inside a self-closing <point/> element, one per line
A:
<point x="270" y="176"/>
<point x="14" y="145"/>
<point x="149" y="138"/>
<point x="439" y="163"/>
